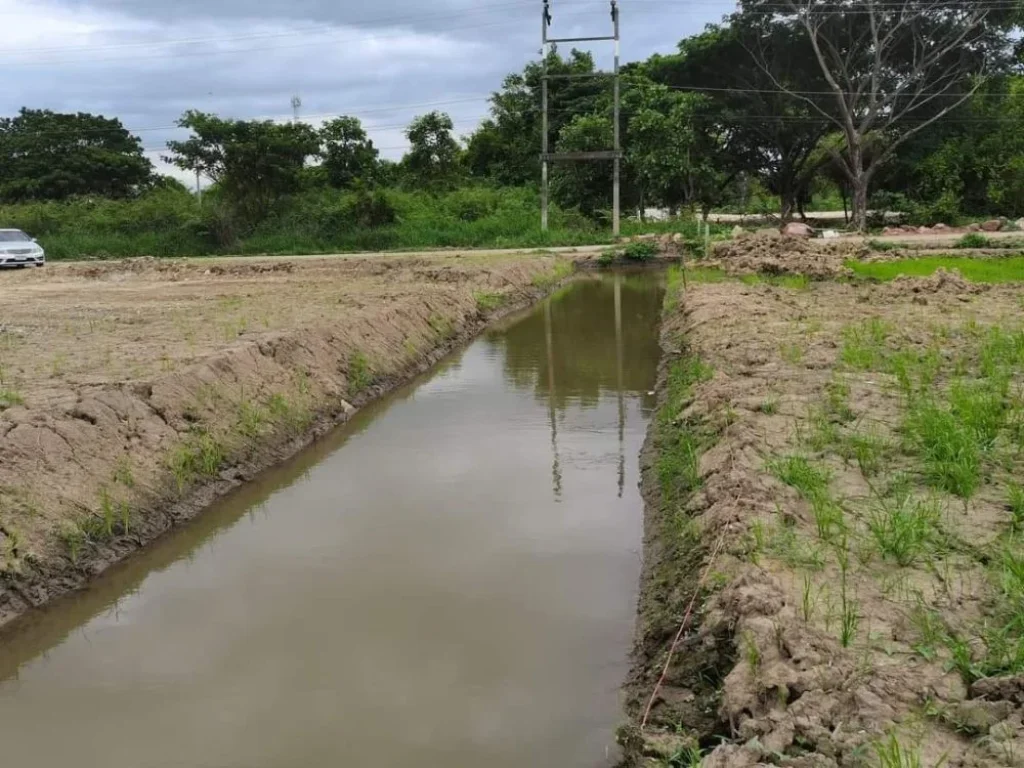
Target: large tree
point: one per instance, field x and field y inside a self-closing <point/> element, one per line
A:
<point x="348" y="153"/>
<point x="433" y="159"/>
<point x="506" y="147"/>
<point x="254" y="163"/>
<point x="47" y="155"/>
<point x="891" y="67"/>
<point x="772" y="135"/>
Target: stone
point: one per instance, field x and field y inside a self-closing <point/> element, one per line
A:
<point x="892" y="231"/>
<point x="993" y="225"/>
<point x="974" y="227"/>
<point x="924" y="230"/>
<point x="830" y="234"/>
<point x="677" y="238"/>
<point x="940" y="227"/>
<point x="1019" y="223"/>
<point x="797" y="229"/>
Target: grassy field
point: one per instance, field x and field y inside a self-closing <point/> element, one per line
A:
<point x="1002" y="270"/>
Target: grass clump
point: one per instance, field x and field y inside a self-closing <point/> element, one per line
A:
<point x="640" y="250"/>
<point x="10" y="398"/>
<point x="973" y="240"/>
<point x="903" y="527"/>
<point x="559" y="272"/>
<point x="488" y="302"/>
<point x="359" y="374"/>
<point x="892" y="754"/>
<point x="680" y="444"/>
<point x="864" y="345"/>
<point x="812" y="483"/>
<point x="200" y="455"/>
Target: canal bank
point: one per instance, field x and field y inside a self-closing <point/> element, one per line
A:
<point x="448" y="579"/>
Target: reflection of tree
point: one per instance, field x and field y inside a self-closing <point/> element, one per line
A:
<point x="585" y="358"/>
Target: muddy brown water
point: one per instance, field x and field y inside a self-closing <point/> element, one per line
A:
<point x="448" y="580"/>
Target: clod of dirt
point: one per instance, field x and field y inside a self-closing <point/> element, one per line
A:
<point x="776" y="255"/>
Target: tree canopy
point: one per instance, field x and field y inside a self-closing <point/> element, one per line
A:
<point x="48" y="155"/>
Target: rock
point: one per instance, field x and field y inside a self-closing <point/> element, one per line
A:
<point x="830" y="234"/>
<point x="892" y="231"/>
<point x="940" y="227"/>
<point x="738" y="231"/>
<point x="993" y="225"/>
<point x="924" y="230"/>
<point x="797" y="229"/>
<point x="677" y="238"/>
<point x="974" y="227"/>
<point x="1019" y="223"/>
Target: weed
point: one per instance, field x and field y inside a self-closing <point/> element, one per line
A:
<point x="751" y="652"/>
<point x="972" y="240"/>
<point x="867" y="450"/>
<point x="200" y="455"/>
<point x="442" y="326"/>
<point x="913" y="371"/>
<point x="10" y="398"/>
<point x="251" y="419"/>
<point x="770" y="405"/>
<point x="1015" y="503"/>
<point x="559" y="272"/>
<point x="807" y="600"/>
<point x="680" y="445"/>
<point x="123" y="472"/>
<point x="792" y="353"/>
<point x="850" y="616"/>
<point x="359" y="374"/>
<point x="689" y="756"/>
<point x="837" y="394"/>
<point x="641" y="250"/>
<point x="58" y="363"/>
<point x="864" y="345"/>
<point x="787" y="545"/>
<point x="892" y="754"/>
<point x="812" y="483"/>
<point x="488" y="302"/>
<point x="903" y="527"/>
<point x="607" y="257"/>
<point x="948" y="447"/>
<point x="73" y="538"/>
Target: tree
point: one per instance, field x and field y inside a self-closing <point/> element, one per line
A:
<point x="47" y="155"/>
<point x="348" y="154"/>
<point x="586" y="185"/>
<point x="890" y="66"/>
<point x="506" y="147"/>
<point x="254" y="163"/>
<point x="433" y="159"/>
<point x="769" y="133"/>
<point x="678" y="151"/>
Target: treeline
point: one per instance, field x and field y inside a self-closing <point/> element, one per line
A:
<point x="911" y="105"/>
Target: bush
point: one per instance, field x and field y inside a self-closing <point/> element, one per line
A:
<point x="641" y="250"/>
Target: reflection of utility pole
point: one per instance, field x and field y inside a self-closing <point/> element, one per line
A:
<point x="556" y="467"/>
<point x="622" y="401"/>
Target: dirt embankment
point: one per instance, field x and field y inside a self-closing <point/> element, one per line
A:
<point x="842" y="465"/>
<point x="134" y="393"/>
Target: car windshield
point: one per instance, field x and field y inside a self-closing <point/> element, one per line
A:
<point x="14" y="236"/>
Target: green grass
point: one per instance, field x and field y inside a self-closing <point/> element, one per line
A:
<point x="680" y="445"/>
<point x="1015" y="503"/>
<point x="200" y="455"/>
<point x="903" y="527"/>
<point x="559" y="272"/>
<point x="360" y="376"/>
<point x="973" y="240"/>
<point x="1002" y="270"/>
<point x="864" y="345"/>
<point x="10" y="398"/>
<point x="949" y="450"/>
<point x="892" y="754"/>
<point x="812" y="483"/>
<point x="488" y="302"/>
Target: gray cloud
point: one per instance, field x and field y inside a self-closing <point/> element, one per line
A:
<point x="146" y="61"/>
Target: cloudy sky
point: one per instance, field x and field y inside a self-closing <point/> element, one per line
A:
<point x="146" y="61"/>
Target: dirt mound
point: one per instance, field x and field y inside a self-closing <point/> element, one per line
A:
<point x="942" y="281"/>
<point x="136" y="266"/>
<point x="777" y="255"/>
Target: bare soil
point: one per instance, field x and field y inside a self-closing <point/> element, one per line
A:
<point x="813" y="644"/>
<point x="133" y="393"/>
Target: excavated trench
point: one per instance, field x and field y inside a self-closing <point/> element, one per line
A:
<point x="449" y="579"/>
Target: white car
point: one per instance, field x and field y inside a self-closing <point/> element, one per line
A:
<point x="19" y="250"/>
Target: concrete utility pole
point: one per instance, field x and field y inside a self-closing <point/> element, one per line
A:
<point x="296" y="106"/>
<point x="546" y="156"/>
